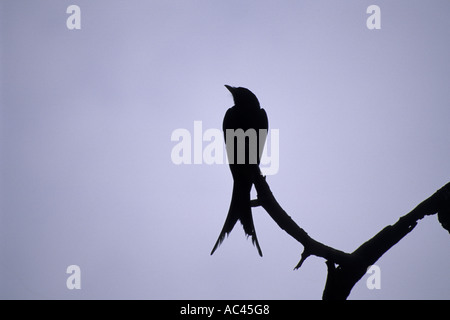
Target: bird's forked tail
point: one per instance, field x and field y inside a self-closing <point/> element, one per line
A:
<point x="240" y="209"/>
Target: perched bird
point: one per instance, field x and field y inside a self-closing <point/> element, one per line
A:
<point x="245" y="114"/>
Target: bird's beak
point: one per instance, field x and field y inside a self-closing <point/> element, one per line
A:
<point x="230" y="88"/>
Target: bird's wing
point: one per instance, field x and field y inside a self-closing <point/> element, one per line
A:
<point x="263" y="123"/>
<point x="227" y="121"/>
<point x="263" y="120"/>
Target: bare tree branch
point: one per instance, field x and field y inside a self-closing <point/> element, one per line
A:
<point x="285" y="222"/>
<point x="345" y="269"/>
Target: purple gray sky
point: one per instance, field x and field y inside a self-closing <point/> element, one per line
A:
<point x="86" y="123"/>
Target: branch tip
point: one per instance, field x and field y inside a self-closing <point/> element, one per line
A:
<point x="304" y="256"/>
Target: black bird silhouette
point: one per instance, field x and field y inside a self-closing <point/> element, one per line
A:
<point x="245" y="114"/>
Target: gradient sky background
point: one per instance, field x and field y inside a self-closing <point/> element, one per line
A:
<point x="87" y="116"/>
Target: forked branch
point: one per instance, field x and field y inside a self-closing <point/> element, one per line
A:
<point x="346" y="269"/>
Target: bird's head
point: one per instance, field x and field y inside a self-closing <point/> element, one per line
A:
<point x="243" y="97"/>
